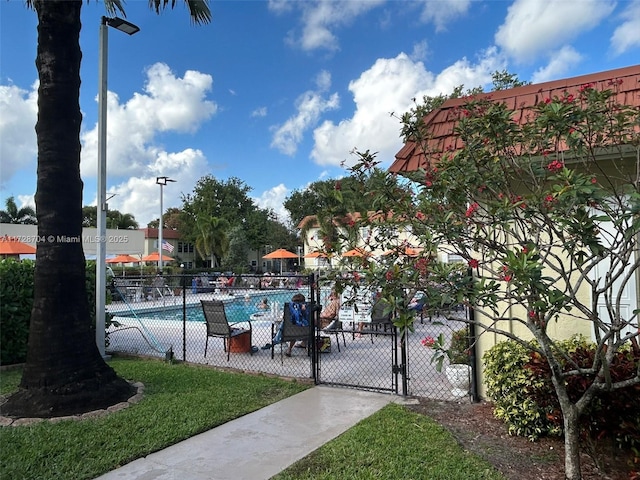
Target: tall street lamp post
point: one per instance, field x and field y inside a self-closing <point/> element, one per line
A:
<point x="162" y="181"/>
<point x="101" y="244"/>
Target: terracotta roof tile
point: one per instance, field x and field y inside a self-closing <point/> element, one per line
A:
<point x="441" y="122"/>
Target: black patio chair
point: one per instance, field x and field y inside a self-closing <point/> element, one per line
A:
<point x="292" y="332"/>
<point x="379" y="318"/>
<point x="219" y="326"/>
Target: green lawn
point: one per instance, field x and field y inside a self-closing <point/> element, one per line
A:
<point x="392" y="444"/>
<point x="180" y="401"/>
<point x="183" y="400"/>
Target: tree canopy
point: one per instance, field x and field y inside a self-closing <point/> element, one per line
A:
<point x="13" y="214"/>
<point x="544" y="214"/>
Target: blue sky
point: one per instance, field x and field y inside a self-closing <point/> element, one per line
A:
<point x="278" y="93"/>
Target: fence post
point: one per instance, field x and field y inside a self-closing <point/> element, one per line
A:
<point x="183" y="281"/>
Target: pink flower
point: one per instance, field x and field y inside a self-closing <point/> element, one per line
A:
<point x="472" y="209"/>
<point x="473" y="263"/>
<point x="421" y="265"/>
<point x="594" y="180"/>
<point x="389" y="275"/>
<point x="420" y="216"/>
<point x="555" y="166"/>
<point x="428" y="342"/>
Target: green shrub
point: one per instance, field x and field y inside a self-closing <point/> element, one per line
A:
<point x="16" y="300"/>
<point x="508" y="384"/>
<point x="613" y="415"/>
<point x="519" y="384"/>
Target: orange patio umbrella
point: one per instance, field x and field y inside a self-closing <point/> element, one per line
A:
<point x="123" y="259"/>
<point x="316" y="255"/>
<point x="12" y="247"/>
<point x="280" y="254"/>
<point x="154" y="257"/>
<point x="356" y="252"/>
<point x="408" y="251"/>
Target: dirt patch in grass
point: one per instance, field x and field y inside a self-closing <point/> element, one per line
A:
<point x="478" y="431"/>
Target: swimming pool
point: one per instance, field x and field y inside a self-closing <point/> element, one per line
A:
<point x="237" y="310"/>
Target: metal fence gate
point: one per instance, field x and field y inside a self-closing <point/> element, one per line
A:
<point x="164" y="319"/>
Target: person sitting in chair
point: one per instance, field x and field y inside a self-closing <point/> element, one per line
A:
<point x="300" y="315"/>
<point x="329" y="315"/>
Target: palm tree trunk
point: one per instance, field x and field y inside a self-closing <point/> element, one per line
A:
<point x="64" y="372"/>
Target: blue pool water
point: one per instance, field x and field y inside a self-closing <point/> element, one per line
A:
<point x="237" y="310"/>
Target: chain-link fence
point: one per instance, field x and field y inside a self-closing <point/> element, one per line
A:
<point x="163" y="317"/>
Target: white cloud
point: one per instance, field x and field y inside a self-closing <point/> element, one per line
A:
<point x="309" y="106"/>
<point x="259" y="112"/>
<point x="18" y="115"/>
<point x="441" y="12"/>
<point x="561" y="62"/>
<point x="321" y="18"/>
<point x="533" y="27"/>
<point x="273" y="199"/>
<point x="389" y="86"/>
<point x="627" y="35"/>
<point x="169" y="103"/>
<point x="140" y="195"/>
<point x="420" y="51"/>
<point x="26" y="201"/>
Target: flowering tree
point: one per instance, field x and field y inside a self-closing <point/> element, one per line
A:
<point x="545" y="213"/>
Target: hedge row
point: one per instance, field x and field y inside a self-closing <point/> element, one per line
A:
<point x="16" y="300"/>
<point x="519" y="384"/>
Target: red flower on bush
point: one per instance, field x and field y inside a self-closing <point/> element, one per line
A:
<point x="555" y="166"/>
<point x="420" y="216"/>
<point x="473" y="263"/>
<point x="471" y="210"/>
<point x="506" y="274"/>
<point x="585" y="87"/>
<point x="421" y="265"/>
<point x="428" y="341"/>
<point x="388" y="275"/>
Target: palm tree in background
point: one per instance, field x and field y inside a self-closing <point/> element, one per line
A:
<point x="64" y="372"/>
<point x="122" y="221"/>
<point x="115" y="218"/>
<point x="212" y="241"/>
<point x="13" y="214"/>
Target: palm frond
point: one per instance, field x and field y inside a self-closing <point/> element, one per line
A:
<point x="198" y="9"/>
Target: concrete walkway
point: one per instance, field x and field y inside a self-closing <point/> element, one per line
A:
<point x="260" y="444"/>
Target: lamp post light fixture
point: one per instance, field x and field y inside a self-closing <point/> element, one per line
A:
<point x="162" y="181"/>
<point x="101" y="194"/>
